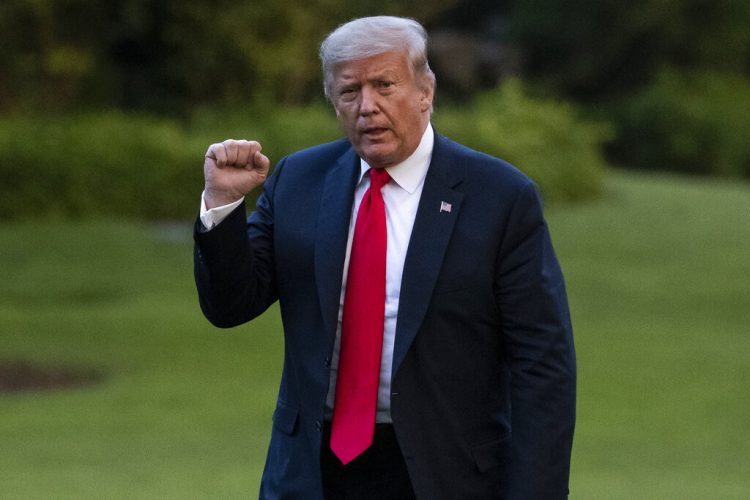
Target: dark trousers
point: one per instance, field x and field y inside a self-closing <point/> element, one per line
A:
<point x="377" y="474"/>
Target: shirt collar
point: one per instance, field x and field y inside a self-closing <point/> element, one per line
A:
<point x="410" y="173"/>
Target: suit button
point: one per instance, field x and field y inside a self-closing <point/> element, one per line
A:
<point x="318" y="425"/>
<point x="328" y="361"/>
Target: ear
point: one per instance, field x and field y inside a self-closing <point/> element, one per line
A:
<point x="425" y="100"/>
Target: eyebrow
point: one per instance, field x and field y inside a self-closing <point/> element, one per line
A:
<point x="373" y="75"/>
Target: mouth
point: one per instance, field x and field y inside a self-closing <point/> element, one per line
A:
<point x="373" y="132"/>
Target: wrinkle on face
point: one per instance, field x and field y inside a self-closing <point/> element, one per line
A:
<point x="381" y="107"/>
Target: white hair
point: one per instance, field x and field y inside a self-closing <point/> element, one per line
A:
<point x="369" y="36"/>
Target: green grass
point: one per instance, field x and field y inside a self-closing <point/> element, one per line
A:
<point x="658" y="278"/>
<point x="657" y="272"/>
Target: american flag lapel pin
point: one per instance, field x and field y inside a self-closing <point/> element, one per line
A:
<point x="445" y="207"/>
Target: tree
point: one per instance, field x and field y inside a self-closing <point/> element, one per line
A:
<point x="166" y="56"/>
<point x="593" y="49"/>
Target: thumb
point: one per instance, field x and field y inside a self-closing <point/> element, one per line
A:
<point x="261" y="162"/>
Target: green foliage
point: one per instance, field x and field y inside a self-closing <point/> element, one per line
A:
<point x="689" y="121"/>
<point x="603" y="48"/>
<point x="131" y="165"/>
<point x="108" y="163"/>
<point x="611" y="54"/>
<point x="165" y="56"/>
<point x="146" y="167"/>
<point x="546" y="139"/>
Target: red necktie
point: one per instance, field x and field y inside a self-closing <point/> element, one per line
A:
<point x="362" y="328"/>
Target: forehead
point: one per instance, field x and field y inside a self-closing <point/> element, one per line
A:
<point x="395" y="64"/>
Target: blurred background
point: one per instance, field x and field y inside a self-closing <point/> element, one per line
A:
<point x="633" y="118"/>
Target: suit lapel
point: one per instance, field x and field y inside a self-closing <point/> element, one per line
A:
<point x="429" y="239"/>
<point x="330" y="242"/>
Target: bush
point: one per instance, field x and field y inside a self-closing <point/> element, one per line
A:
<point x="151" y="168"/>
<point x="545" y="139"/>
<point x="107" y="163"/>
<point x="689" y="121"/>
<point x="132" y="165"/>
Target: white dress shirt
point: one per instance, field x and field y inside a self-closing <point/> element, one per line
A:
<point x="401" y="196"/>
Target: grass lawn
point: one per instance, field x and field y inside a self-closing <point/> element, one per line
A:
<point x="658" y="272"/>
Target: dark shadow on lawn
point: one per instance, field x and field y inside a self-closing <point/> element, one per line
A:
<point x="21" y="376"/>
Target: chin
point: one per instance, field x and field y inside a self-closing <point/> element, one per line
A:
<point x="377" y="157"/>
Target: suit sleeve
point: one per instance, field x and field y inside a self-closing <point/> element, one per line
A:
<point x="538" y="336"/>
<point x="234" y="263"/>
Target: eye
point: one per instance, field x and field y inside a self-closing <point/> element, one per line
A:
<point x="347" y="93"/>
<point x="385" y="84"/>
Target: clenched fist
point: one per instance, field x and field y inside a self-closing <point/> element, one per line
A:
<point x="232" y="169"/>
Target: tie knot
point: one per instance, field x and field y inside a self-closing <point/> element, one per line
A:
<point x="378" y="178"/>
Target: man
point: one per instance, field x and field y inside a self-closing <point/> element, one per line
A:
<point x="428" y="348"/>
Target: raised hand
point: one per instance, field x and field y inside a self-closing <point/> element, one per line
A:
<point x="231" y="170"/>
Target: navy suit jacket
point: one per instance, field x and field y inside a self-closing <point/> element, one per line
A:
<point x="483" y="384"/>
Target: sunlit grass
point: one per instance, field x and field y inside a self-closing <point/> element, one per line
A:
<point x="658" y="277"/>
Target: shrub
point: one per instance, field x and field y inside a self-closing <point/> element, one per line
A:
<point x="112" y="163"/>
<point x="545" y="139"/>
<point x="690" y="121"/>
<point x="104" y="163"/>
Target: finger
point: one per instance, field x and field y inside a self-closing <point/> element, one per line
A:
<point x="261" y="162"/>
<point x="254" y="147"/>
<point x="244" y="154"/>
<point x="232" y="149"/>
<point x="217" y="153"/>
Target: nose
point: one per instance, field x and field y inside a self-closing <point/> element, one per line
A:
<point x="369" y="104"/>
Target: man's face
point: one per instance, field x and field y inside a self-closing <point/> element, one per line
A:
<point x="381" y="106"/>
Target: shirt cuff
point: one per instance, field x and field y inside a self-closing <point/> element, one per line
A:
<point x="211" y="217"/>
